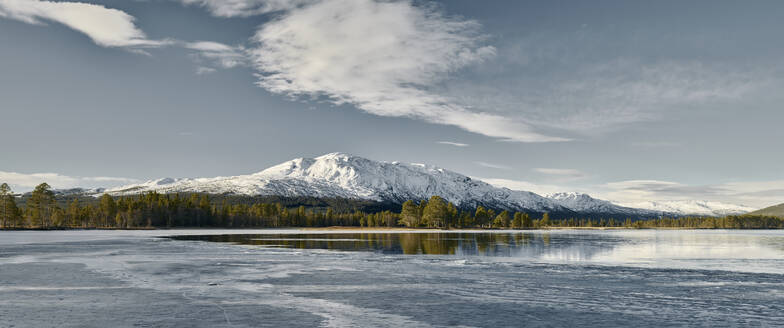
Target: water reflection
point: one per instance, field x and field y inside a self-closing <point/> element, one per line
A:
<point x="750" y="251"/>
<point x="468" y="244"/>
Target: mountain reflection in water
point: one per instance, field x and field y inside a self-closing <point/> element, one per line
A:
<point x="437" y="243"/>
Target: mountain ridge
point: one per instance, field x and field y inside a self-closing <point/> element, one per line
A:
<point x="344" y="175"/>
<point x="692" y="207"/>
<point x="348" y="176"/>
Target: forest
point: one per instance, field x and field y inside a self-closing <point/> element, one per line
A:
<point x="42" y="209"/>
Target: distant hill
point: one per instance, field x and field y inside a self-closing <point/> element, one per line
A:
<point x="776" y="210"/>
<point x="692" y="207"/>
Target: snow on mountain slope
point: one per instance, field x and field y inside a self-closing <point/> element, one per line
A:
<point x="584" y="203"/>
<point x="347" y="176"/>
<point x="692" y="207"/>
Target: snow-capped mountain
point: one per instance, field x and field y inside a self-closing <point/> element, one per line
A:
<point x="692" y="207"/>
<point x="348" y="176"/>
<point x="583" y="203"/>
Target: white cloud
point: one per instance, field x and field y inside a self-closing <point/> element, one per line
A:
<point x="245" y="8"/>
<point x="756" y="194"/>
<point x="105" y="26"/>
<point x="592" y="97"/>
<point x="219" y="54"/>
<point x="384" y="57"/>
<point x="202" y="70"/>
<point x="563" y="174"/>
<point x="752" y="193"/>
<point x="452" y="143"/>
<point x="24" y="181"/>
<point x="541" y="189"/>
<point x="109" y="27"/>
<point x="493" y="166"/>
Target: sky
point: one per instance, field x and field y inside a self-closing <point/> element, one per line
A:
<point x="625" y="100"/>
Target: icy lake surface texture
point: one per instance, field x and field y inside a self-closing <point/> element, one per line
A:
<point x="306" y="278"/>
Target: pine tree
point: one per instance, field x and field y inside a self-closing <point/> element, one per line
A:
<point x="9" y="213"/>
<point x="451" y="215"/>
<point x="502" y="220"/>
<point x="490" y="216"/>
<point x="466" y="220"/>
<point x="410" y="215"/>
<point x="108" y="209"/>
<point x="527" y="222"/>
<point x="545" y="222"/>
<point x="517" y="222"/>
<point x="5" y="216"/>
<point x="481" y="216"/>
<point x="41" y="205"/>
<point x="435" y="212"/>
<point x="73" y="213"/>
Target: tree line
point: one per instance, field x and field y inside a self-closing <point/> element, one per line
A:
<point x="155" y="210"/>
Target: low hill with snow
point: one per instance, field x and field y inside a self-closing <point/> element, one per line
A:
<point x="692" y="207"/>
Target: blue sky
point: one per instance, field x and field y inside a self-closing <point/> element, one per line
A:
<point x="625" y="100"/>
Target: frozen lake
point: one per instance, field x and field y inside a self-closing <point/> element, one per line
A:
<point x="295" y="278"/>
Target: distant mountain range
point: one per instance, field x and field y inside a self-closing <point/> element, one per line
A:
<point x="692" y="207"/>
<point x="347" y="176"/>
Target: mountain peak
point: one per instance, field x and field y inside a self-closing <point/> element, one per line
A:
<point x="338" y="156"/>
<point x="569" y="195"/>
<point x="343" y="175"/>
<point x="349" y="176"/>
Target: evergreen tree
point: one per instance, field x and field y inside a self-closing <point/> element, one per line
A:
<point x="451" y="215"/>
<point x="435" y="212"/>
<point x="9" y="213"/>
<point x="5" y="217"/>
<point x="481" y="216"/>
<point x="466" y="220"/>
<point x="527" y="222"/>
<point x="502" y="220"/>
<point x="108" y="209"/>
<point x="545" y="222"/>
<point x="490" y="217"/>
<point x="41" y="205"/>
<point x="197" y="210"/>
<point x="517" y="222"/>
<point x="409" y="214"/>
<point x="73" y="214"/>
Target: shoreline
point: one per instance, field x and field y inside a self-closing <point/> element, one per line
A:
<point x="389" y="229"/>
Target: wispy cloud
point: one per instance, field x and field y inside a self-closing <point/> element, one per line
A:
<point x="752" y="193"/>
<point x="493" y="166"/>
<point x="217" y="54"/>
<point x="562" y="174"/>
<point x="202" y="70"/>
<point x="597" y="95"/>
<point x="109" y="27"/>
<point x="382" y="57"/>
<point x="756" y="194"/>
<point x="452" y="143"/>
<point x="541" y="189"/>
<point x="246" y="8"/>
<point x="26" y="181"/>
<point x="105" y="26"/>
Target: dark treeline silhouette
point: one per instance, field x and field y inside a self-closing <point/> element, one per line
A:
<point x="42" y="210"/>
